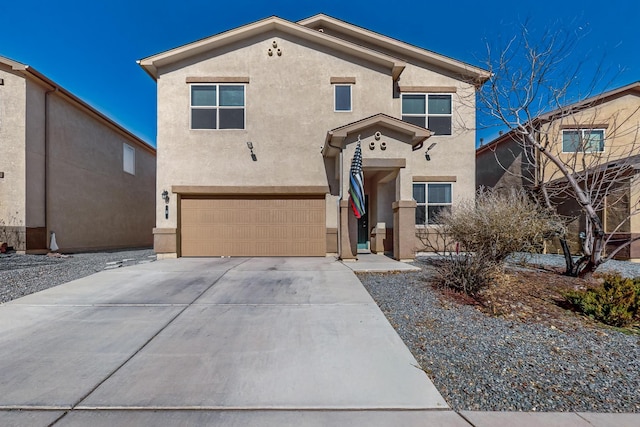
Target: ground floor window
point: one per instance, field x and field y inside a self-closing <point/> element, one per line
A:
<point x="431" y="198"/>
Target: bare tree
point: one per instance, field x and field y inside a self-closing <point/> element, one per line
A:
<point x="580" y="153"/>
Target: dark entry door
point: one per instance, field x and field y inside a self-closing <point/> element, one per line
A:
<point x="363" y="226"/>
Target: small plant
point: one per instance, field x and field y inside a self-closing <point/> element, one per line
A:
<point x="616" y="302"/>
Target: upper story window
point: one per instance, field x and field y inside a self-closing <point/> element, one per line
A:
<point x="431" y="111"/>
<point x="431" y="198"/>
<point x="217" y="106"/>
<point x="583" y="140"/>
<point x="342" y="97"/>
<point x="128" y="159"/>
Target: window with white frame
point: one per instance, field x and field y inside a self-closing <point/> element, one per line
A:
<point x="582" y="140"/>
<point x="431" y="111"/>
<point x="128" y="159"/>
<point x="431" y="198"/>
<point x="217" y="106"/>
<point x="342" y="97"/>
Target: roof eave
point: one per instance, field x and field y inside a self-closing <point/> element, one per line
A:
<point x="338" y="135"/>
<point x="478" y="75"/>
<point x="152" y="63"/>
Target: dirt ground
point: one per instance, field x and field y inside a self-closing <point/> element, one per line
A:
<point x="533" y="295"/>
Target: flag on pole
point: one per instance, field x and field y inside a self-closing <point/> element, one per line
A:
<point x="356" y="183"/>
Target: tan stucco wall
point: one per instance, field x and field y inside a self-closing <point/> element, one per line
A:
<point x="289" y="109"/>
<point x="620" y="117"/>
<point x="504" y="166"/>
<point x="621" y="120"/>
<point x="12" y="158"/>
<point x="93" y="203"/>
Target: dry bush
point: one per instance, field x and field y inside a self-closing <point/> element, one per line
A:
<point x="465" y="272"/>
<point x="484" y="233"/>
<point x="500" y="223"/>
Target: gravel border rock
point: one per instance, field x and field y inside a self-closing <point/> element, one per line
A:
<point x="624" y="268"/>
<point x="22" y="275"/>
<point x="479" y="362"/>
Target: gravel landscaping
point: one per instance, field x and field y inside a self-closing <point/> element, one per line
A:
<point x="477" y="361"/>
<point x="481" y="362"/>
<point x="22" y="275"/>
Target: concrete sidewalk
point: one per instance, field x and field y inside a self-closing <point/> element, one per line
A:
<point x="227" y="341"/>
<point x="377" y="263"/>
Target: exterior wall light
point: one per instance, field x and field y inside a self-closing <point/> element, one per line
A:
<point x="250" y="147"/>
<point x="165" y="197"/>
<point x="426" y="153"/>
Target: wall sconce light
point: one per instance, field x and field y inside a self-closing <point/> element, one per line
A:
<point x="426" y="153"/>
<point x="165" y="196"/>
<point x="250" y="146"/>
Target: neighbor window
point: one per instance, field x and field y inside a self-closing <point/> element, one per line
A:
<point x="342" y="97"/>
<point x="431" y="111"/>
<point x="582" y="140"/>
<point x="432" y="198"/>
<point x="128" y="159"/>
<point x="217" y="106"/>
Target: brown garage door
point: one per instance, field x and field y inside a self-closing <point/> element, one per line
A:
<point x="253" y="227"/>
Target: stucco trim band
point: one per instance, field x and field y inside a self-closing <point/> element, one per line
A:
<point x="343" y="80"/>
<point x="585" y="126"/>
<point x="428" y="89"/>
<point x="418" y="178"/>
<point x="384" y="163"/>
<point x="404" y="204"/>
<point x="207" y="79"/>
<point x="262" y="190"/>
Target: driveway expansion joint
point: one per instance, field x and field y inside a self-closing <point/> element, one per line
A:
<point x="146" y="343"/>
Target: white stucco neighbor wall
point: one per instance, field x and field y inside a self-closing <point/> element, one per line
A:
<point x="93" y="203"/>
<point x="12" y="157"/>
<point x="85" y="196"/>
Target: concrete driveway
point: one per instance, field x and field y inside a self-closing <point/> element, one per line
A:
<point x="227" y="341"/>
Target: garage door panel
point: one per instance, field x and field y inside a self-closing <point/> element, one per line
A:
<point x="253" y="227"/>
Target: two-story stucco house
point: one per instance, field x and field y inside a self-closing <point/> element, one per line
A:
<point x="67" y="168"/>
<point x="257" y="129"/>
<point x="598" y="141"/>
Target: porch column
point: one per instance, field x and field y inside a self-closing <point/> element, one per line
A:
<point x="404" y="230"/>
<point x="348" y="232"/>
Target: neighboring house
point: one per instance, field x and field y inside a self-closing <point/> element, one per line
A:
<point x="67" y="168"/>
<point x="257" y="128"/>
<point x="599" y="137"/>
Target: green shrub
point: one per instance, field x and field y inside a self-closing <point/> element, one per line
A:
<point x="616" y="302"/>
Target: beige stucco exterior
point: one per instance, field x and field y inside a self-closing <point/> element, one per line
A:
<point x="502" y="162"/>
<point x="289" y="72"/>
<point x="63" y="171"/>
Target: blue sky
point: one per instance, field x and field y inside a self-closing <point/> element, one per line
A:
<point x="91" y="47"/>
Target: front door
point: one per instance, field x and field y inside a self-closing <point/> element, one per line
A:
<point x="363" y="226"/>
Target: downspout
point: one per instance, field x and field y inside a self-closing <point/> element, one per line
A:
<point x="340" y="211"/>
